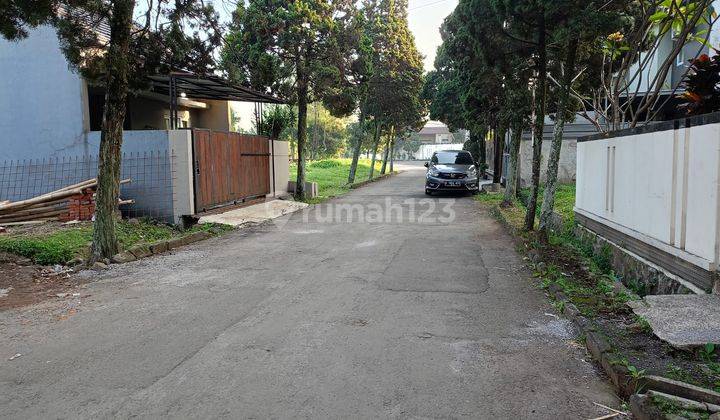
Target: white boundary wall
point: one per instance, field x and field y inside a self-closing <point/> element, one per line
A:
<point x="661" y="188"/>
<point x="426" y="150"/>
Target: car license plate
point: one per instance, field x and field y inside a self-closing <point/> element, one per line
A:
<point x="452" y="183"/>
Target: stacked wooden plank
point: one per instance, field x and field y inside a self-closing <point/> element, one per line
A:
<point x="74" y="202"/>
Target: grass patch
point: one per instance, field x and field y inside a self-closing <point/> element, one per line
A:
<point x="670" y="407"/>
<point x="564" y="202"/>
<point x="62" y="245"/>
<point x="331" y="176"/>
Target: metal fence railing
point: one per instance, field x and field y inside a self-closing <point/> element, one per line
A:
<point x="152" y="174"/>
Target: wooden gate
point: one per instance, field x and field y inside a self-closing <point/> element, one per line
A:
<point x="229" y="167"/>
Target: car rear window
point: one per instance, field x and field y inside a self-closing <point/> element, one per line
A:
<point x="453" y="158"/>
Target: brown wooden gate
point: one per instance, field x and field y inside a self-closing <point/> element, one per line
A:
<point x="229" y="167"/>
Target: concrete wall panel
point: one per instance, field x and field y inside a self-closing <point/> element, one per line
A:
<point x="660" y="187"/>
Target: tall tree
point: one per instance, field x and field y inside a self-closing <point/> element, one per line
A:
<point x="394" y="93"/>
<point x="300" y="51"/>
<point x="528" y="21"/>
<point x="362" y="74"/>
<point x="167" y="36"/>
<point x="117" y="65"/>
<point x="516" y="110"/>
<point x="574" y="44"/>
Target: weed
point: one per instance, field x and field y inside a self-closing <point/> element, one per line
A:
<point x="677" y="373"/>
<point x="714" y="367"/>
<point x="604" y="287"/>
<point x="635" y="372"/>
<point x="636" y="286"/>
<point x="667" y="406"/>
<point x="707" y="352"/>
<point x="644" y="324"/>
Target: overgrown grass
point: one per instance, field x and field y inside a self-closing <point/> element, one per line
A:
<point x="331" y="175"/>
<point x="62" y="245"/>
<point x="564" y="201"/>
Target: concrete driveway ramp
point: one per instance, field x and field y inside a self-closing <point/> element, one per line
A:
<point x="257" y="213"/>
<point x="684" y="321"/>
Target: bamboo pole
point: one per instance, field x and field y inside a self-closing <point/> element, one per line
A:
<point x="58" y="194"/>
<point x="47" y="214"/>
<point x="56" y="201"/>
<point x="29" y="222"/>
<point x="35" y="210"/>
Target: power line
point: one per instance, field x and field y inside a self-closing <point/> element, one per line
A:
<point x="427" y="4"/>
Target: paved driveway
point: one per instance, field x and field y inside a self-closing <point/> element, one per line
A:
<point x="335" y="313"/>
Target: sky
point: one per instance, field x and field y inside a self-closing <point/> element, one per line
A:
<point x="424" y="19"/>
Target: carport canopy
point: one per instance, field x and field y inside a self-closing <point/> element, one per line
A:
<point x="206" y="87"/>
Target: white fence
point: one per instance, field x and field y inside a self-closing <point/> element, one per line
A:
<point x="660" y="187"/>
<point x="426" y="150"/>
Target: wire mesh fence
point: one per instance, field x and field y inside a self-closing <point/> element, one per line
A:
<point x="152" y="174"/>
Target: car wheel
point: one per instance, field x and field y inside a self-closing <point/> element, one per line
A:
<point x="428" y="192"/>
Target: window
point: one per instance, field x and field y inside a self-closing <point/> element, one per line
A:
<point x="453" y="158"/>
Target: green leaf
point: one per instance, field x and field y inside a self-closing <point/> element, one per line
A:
<point x="658" y="16"/>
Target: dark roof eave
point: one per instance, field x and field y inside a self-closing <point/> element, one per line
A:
<point x="209" y="87"/>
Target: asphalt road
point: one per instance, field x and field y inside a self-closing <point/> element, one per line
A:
<point x="380" y="314"/>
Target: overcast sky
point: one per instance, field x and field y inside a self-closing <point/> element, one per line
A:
<point x="425" y="18"/>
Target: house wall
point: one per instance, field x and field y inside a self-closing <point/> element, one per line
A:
<point x="281" y="160"/>
<point x="158" y="162"/>
<point x="426" y="151"/>
<point x="150" y="114"/>
<point x="42" y="102"/>
<point x="216" y="116"/>
<point x="566" y="164"/>
<point x="160" y="165"/>
<point x="660" y="188"/>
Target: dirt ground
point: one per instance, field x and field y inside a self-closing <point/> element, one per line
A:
<point x="23" y="283"/>
<point x="43" y="228"/>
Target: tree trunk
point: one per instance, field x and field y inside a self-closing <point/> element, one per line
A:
<point x="482" y="153"/>
<point x="387" y="151"/>
<point x="357" y="146"/>
<point x="499" y="149"/>
<point x="552" y="169"/>
<point x="386" y="154"/>
<point x="539" y="124"/>
<point x="512" y="182"/>
<point x="376" y="143"/>
<point x="392" y="154"/>
<point x="314" y="144"/>
<point x="105" y="243"/>
<point x="301" y="131"/>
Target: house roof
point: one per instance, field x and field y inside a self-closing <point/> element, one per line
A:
<point x="434" y="130"/>
<point x="208" y="87"/>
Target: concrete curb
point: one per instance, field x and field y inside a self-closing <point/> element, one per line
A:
<point x="359" y="184"/>
<point x="141" y="251"/>
<point x="625" y="384"/>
